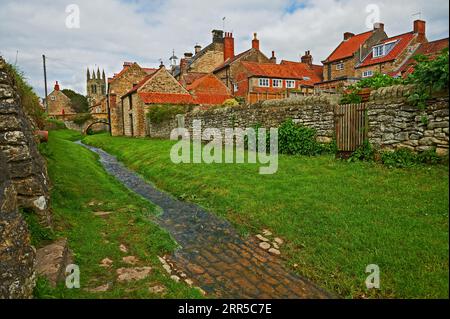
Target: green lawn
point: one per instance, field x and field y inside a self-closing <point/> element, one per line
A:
<point x="79" y="181"/>
<point x="336" y="217"/>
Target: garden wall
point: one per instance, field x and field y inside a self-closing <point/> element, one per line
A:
<point x="392" y="121"/>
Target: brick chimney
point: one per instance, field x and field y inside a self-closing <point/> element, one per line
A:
<point x="378" y="26"/>
<point x="255" y="41"/>
<point x="273" y="59"/>
<point x="56" y="86"/>
<point x="420" y="28"/>
<point x="228" y="46"/>
<point x="307" y="58"/>
<point x="348" y="35"/>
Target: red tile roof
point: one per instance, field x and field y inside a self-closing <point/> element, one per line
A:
<point x="208" y="89"/>
<point x="166" y="98"/>
<point x="430" y="49"/>
<point x="349" y="47"/>
<point x="402" y="42"/>
<point x="190" y="77"/>
<point x="284" y="70"/>
<point x="128" y="64"/>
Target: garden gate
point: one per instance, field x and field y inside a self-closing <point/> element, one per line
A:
<point x="351" y="127"/>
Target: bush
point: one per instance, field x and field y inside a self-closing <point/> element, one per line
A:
<point x="364" y="153"/>
<point x="351" y="98"/>
<point x="230" y="102"/>
<point x="160" y="113"/>
<point x="402" y="158"/>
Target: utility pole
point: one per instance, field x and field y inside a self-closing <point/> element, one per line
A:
<point x="45" y="83"/>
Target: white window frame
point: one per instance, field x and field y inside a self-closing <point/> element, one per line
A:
<point x="290" y="84"/>
<point x="378" y="51"/>
<point x="340" y="66"/>
<point x="263" y="82"/>
<point x="277" y="81"/>
<point x="367" y="74"/>
<point x="52" y="98"/>
<point x="235" y="87"/>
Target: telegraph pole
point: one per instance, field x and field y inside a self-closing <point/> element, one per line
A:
<point x="45" y="83"/>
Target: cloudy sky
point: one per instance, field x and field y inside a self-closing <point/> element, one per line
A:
<point x="145" y="31"/>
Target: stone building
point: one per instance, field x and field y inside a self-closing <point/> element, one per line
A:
<point x="339" y="68"/>
<point x="203" y="61"/>
<point x="59" y="104"/>
<point x="227" y="70"/>
<point x="95" y="86"/>
<point x="390" y="54"/>
<point x="265" y="81"/>
<point x="121" y="83"/>
<point x="159" y="88"/>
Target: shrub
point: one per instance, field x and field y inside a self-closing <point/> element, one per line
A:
<point x="363" y="153"/>
<point x="377" y="81"/>
<point x="230" y="102"/>
<point x="160" y="113"/>
<point x="405" y="158"/>
<point x="351" y="98"/>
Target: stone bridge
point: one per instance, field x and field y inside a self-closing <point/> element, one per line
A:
<point x="98" y="122"/>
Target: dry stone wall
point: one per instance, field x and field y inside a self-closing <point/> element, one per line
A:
<point x="392" y="121"/>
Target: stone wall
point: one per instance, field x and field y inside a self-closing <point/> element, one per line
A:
<point x="392" y="121"/>
<point x="23" y="185"/>
<point x="395" y="123"/>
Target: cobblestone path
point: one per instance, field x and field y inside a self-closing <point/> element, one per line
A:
<point x="212" y="254"/>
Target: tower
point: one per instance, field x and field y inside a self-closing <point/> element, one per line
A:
<point x="95" y="86"/>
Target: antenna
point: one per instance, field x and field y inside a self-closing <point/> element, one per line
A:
<point x="418" y="14"/>
<point x="223" y="20"/>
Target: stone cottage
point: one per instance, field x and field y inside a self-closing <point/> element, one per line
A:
<point x="130" y="75"/>
<point x="388" y="55"/>
<point x="339" y="68"/>
<point x="59" y="104"/>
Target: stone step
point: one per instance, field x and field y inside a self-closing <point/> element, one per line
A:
<point x="52" y="260"/>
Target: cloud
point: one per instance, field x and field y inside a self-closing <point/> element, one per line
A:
<point x="113" y="31"/>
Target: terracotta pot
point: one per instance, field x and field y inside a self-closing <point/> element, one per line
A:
<point x="43" y="136"/>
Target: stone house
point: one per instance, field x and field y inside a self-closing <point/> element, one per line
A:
<point x="339" y="68"/>
<point x="204" y="61"/>
<point x="429" y="49"/>
<point x="159" y="88"/>
<point x="390" y="54"/>
<point x="59" y="104"/>
<point x="265" y="81"/>
<point x="229" y="68"/>
<point x="118" y="86"/>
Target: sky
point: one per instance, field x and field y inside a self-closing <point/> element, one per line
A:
<point x="109" y="32"/>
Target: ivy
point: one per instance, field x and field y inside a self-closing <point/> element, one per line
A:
<point x="165" y="112"/>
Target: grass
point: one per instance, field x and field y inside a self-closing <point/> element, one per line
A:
<point x="81" y="187"/>
<point x="336" y="217"/>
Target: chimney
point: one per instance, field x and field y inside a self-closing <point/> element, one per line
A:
<point x="378" y="26"/>
<point x="255" y="41"/>
<point x="217" y="36"/>
<point x="197" y="48"/>
<point x="127" y="64"/>
<point x="183" y="65"/>
<point x="56" y="86"/>
<point x="420" y="27"/>
<point x="307" y="58"/>
<point x="348" y="35"/>
<point x="228" y="46"/>
<point x="188" y="55"/>
<point x="273" y="59"/>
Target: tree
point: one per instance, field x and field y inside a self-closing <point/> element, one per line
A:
<point x="79" y="102"/>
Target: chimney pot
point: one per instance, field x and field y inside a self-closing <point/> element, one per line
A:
<point x="56" y="86"/>
<point x="378" y="26"/>
<point x="273" y="59"/>
<point x="255" y="41"/>
<point x="348" y="35"/>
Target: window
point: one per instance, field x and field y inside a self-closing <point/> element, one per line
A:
<point x="235" y="87"/>
<point x="367" y="74"/>
<point x="290" y="84"/>
<point x="340" y="66"/>
<point x="378" y="51"/>
<point x="52" y="98"/>
<point x="264" y="83"/>
<point x="276" y="83"/>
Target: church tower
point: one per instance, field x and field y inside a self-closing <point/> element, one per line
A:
<point x="96" y="86"/>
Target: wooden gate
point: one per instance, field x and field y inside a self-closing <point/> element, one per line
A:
<point x="351" y="126"/>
